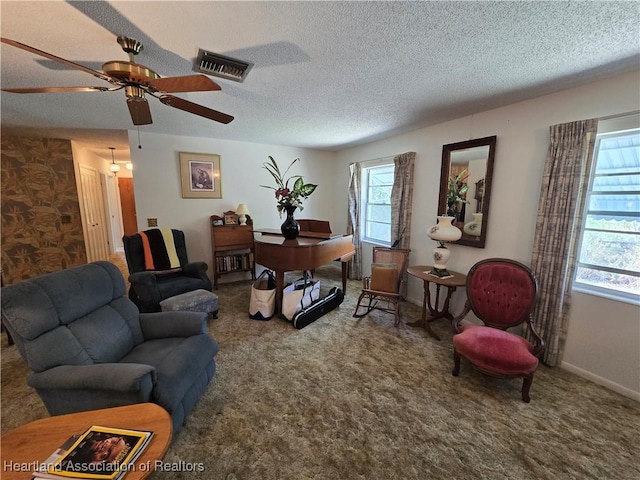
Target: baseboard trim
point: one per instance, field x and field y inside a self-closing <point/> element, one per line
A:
<point x="627" y="392"/>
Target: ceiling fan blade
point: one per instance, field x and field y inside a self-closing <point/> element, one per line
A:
<point x="189" y="83"/>
<point x="59" y="89"/>
<point x="139" y="110"/>
<point x="69" y="63"/>
<point x="195" y="108"/>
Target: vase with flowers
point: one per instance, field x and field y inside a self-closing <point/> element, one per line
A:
<point x="456" y="195"/>
<point x="288" y="199"/>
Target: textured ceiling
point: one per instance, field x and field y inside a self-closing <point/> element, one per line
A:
<point x="327" y="74"/>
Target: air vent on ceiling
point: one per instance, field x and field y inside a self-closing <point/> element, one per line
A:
<point x="222" y="66"/>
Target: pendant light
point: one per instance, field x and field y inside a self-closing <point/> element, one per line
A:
<point x="114" y="167"/>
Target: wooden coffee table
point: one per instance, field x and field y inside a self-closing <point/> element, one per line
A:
<point x="451" y="283"/>
<point x="30" y="444"/>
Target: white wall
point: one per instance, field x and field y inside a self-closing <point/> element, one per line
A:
<point x="604" y="342"/>
<point x="156" y="177"/>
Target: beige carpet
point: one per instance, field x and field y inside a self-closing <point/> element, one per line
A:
<point x="361" y="399"/>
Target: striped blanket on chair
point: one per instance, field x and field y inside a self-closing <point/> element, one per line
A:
<point x="159" y="249"/>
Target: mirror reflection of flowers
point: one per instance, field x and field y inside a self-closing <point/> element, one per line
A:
<point x="457" y="191"/>
<point x="285" y="196"/>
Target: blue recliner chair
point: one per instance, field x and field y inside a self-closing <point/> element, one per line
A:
<point x="89" y="347"/>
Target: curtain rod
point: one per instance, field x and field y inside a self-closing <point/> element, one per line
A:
<point x="374" y="161"/>
<point x="620" y="115"/>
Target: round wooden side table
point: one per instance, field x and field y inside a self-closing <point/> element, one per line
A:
<point x="32" y="443"/>
<point x="451" y="283"/>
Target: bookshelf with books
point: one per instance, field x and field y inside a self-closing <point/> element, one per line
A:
<point x="232" y="248"/>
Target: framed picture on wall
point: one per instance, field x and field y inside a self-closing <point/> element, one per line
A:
<point x="200" y="175"/>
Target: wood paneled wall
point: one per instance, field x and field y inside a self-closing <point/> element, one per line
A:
<point x="41" y="224"/>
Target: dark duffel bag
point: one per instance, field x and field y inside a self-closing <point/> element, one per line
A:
<point x="318" y="308"/>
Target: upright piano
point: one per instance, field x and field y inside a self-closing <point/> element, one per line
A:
<point x="310" y="250"/>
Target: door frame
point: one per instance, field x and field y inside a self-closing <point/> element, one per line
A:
<point x="83" y="214"/>
<point x="114" y="212"/>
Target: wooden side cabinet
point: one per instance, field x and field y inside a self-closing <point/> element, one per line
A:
<point x="233" y="250"/>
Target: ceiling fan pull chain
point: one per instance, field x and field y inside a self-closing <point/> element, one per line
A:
<point x="139" y="146"/>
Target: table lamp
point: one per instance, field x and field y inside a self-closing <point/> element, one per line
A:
<point x="443" y="232"/>
<point x="242" y="211"/>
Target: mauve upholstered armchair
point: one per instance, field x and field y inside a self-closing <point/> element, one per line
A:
<point x="502" y="293"/>
<point x="89" y="347"/>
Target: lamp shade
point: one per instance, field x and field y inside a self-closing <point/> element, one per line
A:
<point x="242" y="209"/>
<point x="444" y="231"/>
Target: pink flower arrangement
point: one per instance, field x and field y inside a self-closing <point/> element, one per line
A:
<point x="285" y="196"/>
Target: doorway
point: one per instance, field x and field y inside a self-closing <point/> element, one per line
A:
<point x="95" y="221"/>
<point x="128" y="206"/>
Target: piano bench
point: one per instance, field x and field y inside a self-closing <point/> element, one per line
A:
<point x="195" y="301"/>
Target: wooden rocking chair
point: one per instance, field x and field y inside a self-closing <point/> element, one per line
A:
<point x="383" y="289"/>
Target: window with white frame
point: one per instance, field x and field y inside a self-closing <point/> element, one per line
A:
<point x="609" y="254"/>
<point x="376" y="203"/>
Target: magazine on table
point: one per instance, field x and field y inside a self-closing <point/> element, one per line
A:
<point x="103" y="453"/>
<point x="41" y="472"/>
<point x="439" y="274"/>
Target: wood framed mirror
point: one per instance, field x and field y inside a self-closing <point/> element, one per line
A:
<point x="465" y="187"/>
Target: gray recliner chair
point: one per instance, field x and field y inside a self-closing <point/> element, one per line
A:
<point x="89" y="347"/>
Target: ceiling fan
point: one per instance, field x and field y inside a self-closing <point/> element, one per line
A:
<point x="136" y="80"/>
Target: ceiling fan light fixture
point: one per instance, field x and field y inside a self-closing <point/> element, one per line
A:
<point x="221" y="66"/>
<point x="134" y="92"/>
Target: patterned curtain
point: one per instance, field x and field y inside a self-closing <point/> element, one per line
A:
<point x="401" y="201"/>
<point x="353" y="219"/>
<point x="558" y="227"/>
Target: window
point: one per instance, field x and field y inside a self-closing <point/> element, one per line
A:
<point x="609" y="254"/>
<point x="376" y="201"/>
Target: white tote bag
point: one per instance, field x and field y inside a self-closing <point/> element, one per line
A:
<point x="300" y="294"/>
<point x="262" y="303"/>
